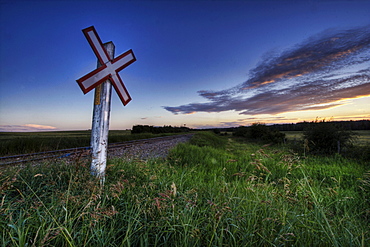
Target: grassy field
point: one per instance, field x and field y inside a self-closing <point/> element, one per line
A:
<point x="213" y="191"/>
<point x="31" y="142"/>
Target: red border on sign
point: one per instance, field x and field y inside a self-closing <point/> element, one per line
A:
<point x="125" y="102"/>
<point x="123" y="55"/>
<point x="92" y="28"/>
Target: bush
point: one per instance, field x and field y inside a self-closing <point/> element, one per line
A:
<point x="260" y="132"/>
<point x="322" y="137"/>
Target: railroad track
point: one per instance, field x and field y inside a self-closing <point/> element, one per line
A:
<point x="80" y="151"/>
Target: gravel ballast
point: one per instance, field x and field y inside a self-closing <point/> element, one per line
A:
<point x="151" y="149"/>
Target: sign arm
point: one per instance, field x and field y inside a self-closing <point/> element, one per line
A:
<point x="93" y="79"/>
<point x="96" y="44"/>
<point x="121" y="89"/>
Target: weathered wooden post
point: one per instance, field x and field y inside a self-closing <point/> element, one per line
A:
<point x="102" y="79"/>
<point x="100" y="122"/>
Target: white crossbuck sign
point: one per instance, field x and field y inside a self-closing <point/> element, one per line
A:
<point x="109" y="67"/>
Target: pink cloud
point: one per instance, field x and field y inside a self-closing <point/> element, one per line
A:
<point x="26" y="128"/>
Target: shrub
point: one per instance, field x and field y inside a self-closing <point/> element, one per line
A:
<point x="260" y="132"/>
<point x="217" y="131"/>
<point x="326" y="137"/>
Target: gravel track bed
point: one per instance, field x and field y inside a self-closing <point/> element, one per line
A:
<point x="144" y="151"/>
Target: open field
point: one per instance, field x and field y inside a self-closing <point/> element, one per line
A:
<point x="361" y="136"/>
<point x="213" y="191"/>
<point x="55" y="135"/>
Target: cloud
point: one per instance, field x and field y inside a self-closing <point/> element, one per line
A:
<point x="247" y="121"/>
<point x="361" y="117"/>
<point x="146" y="118"/>
<point x="317" y="74"/>
<point x="26" y="128"/>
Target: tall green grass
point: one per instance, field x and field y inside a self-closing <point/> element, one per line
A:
<point x="212" y="191"/>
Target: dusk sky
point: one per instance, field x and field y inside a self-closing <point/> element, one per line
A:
<point x="199" y="63"/>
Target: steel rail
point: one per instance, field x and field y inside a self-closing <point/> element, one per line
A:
<point x="64" y="153"/>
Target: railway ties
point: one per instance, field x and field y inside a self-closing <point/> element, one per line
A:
<point x="57" y="154"/>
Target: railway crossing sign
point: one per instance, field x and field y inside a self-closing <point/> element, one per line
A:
<point x="109" y="67"/>
<point x="102" y="80"/>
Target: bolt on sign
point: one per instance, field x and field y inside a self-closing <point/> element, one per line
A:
<point x="102" y="80"/>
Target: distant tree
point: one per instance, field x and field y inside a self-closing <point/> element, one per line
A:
<point x="137" y="129"/>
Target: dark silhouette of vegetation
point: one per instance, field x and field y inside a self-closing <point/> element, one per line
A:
<point x="348" y="125"/>
<point x="260" y="132"/>
<point x="216" y="131"/>
<point x="322" y="137"/>
<point x="138" y="129"/>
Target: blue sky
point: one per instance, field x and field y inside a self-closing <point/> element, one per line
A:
<point x="199" y="63"/>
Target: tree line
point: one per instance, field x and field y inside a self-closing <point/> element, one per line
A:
<point x="301" y="126"/>
<point x="137" y="129"/>
<point x="347" y="125"/>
